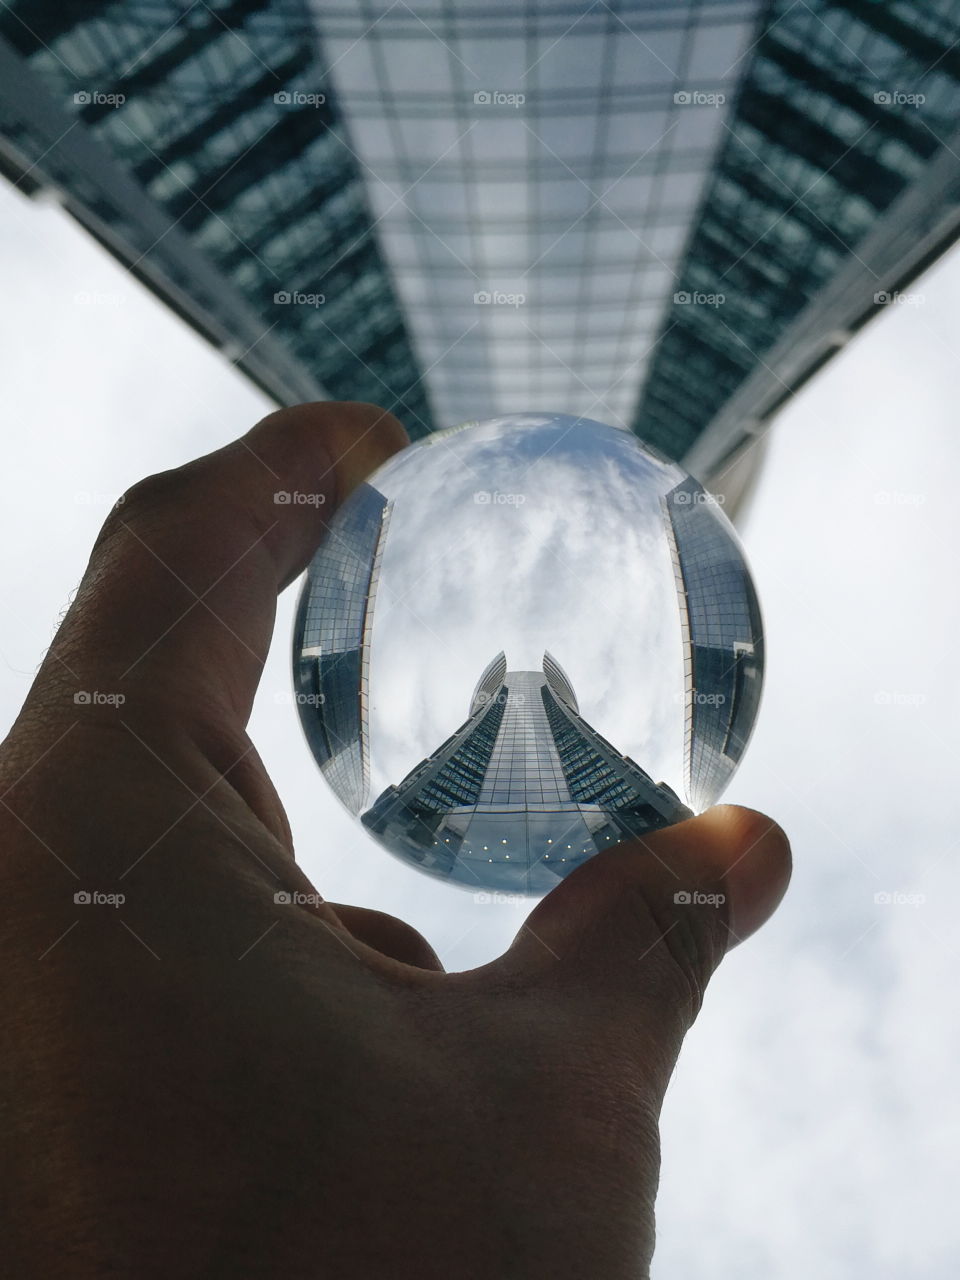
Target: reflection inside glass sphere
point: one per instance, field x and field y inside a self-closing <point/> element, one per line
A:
<point x="522" y="641"/>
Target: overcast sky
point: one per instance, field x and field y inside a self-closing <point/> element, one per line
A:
<point x="550" y="538"/>
<point x="813" y="1123"/>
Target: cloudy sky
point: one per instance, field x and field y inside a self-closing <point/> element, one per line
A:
<point x="813" y="1122"/>
<point x="551" y="539"/>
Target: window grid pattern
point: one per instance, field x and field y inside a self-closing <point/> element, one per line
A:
<point x="578" y="200"/>
<point x="269" y="189"/>
<point x="723" y="641"/>
<point x="336" y="617"/>
<point x="810" y="162"/>
<point x="460" y="780"/>
<point x="524" y="767"/>
<point x="598" y="774"/>
<point x="599" y="199"/>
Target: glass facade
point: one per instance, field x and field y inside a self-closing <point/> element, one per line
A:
<point x="535" y="179"/>
<point x="843" y="105"/>
<point x="521" y="791"/>
<point x="226" y="117"/>
<point x="462" y="211"/>
<point x="722" y="634"/>
<point x="489" y="682"/>
<point x="335" y="621"/>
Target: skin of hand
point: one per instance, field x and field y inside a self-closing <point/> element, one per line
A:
<point x="204" y="1082"/>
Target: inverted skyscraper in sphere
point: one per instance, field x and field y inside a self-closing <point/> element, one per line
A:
<point x="666" y="216"/>
<point x="604" y="552"/>
<point x="522" y="790"/>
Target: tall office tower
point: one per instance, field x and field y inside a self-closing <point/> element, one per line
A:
<point x="522" y="790"/>
<point x="335" y="617"/>
<point x="722" y="636"/>
<point x="663" y="215"/>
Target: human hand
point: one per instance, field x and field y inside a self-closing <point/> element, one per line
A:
<point x="202" y="1082"/>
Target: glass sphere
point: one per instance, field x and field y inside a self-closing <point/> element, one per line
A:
<point x="522" y="641"/>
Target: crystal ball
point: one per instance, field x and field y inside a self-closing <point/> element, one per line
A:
<point x="522" y="641"/>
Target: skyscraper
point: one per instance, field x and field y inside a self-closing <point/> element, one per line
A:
<point x="722" y="637"/>
<point x="335" y="618"/>
<point x="522" y="790"/>
<point x="663" y="215"/>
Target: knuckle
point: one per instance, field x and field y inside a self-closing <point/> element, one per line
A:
<point x="159" y="489"/>
<point x="147" y="500"/>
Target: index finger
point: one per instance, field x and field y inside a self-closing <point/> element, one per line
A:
<point x="175" y="611"/>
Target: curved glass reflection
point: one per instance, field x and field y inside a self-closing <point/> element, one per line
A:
<point x="522" y="641"/>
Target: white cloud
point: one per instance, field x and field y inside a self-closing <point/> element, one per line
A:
<point x="561" y="552"/>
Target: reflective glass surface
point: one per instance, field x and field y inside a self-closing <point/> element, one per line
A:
<point x="522" y="641"/>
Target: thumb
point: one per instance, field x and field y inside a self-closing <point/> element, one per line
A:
<point x="633" y="935"/>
